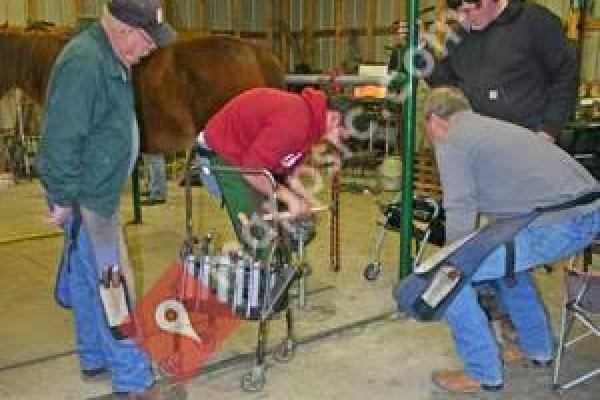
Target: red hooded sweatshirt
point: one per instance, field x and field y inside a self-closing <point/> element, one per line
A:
<point x="267" y="128"/>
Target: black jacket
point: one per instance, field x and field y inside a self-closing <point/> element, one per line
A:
<point x="520" y="68"/>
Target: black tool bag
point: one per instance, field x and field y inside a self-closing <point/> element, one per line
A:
<point x="583" y="143"/>
<point x="426" y="296"/>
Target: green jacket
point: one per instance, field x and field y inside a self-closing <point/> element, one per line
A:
<point x="88" y="139"/>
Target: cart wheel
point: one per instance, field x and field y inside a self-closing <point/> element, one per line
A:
<point x="372" y="271"/>
<point x="254" y="381"/>
<point x="284" y="351"/>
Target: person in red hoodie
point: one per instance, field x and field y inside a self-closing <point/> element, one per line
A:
<point x="271" y="129"/>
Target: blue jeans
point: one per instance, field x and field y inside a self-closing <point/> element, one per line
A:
<point x="157" y="176"/>
<point x="534" y="245"/>
<point x="130" y="367"/>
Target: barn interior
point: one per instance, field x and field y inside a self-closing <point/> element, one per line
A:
<point x="349" y="339"/>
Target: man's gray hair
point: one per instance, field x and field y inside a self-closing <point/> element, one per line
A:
<point x="110" y="22"/>
<point x="445" y="101"/>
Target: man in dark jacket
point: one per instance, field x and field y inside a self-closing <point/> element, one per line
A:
<point x="513" y="62"/>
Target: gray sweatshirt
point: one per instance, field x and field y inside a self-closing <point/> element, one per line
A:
<point x="499" y="169"/>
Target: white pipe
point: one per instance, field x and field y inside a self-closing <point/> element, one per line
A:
<point x="343" y="79"/>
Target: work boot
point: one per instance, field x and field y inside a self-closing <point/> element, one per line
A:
<point x="158" y="391"/>
<point x="540" y="363"/>
<point x="512" y="354"/>
<point x="459" y="382"/>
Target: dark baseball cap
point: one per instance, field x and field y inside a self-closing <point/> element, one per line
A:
<point x="145" y="14"/>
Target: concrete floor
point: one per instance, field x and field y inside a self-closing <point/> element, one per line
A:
<point x="353" y="344"/>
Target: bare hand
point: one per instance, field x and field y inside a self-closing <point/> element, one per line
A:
<point x="301" y="208"/>
<point x="59" y="215"/>
<point x="547" y="136"/>
<point x="297" y="206"/>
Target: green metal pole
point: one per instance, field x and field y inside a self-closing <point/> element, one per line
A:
<point x="409" y="126"/>
<point x="135" y="189"/>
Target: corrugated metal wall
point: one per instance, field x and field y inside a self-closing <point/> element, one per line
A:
<point x="247" y="16"/>
<point x="326" y="20"/>
<point x="91" y="8"/>
<point x="13" y="11"/>
<point x="355" y="12"/>
<point x="60" y="12"/>
<point x="184" y="14"/>
<point x="220" y="15"/>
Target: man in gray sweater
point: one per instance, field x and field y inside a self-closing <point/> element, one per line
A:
<point x="497" y="169"/>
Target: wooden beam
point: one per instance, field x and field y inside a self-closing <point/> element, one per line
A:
<point x="592" y="24"/>
<point x="317" y="33"/>
<point x="200" y="20"/>
<point x="268" y="9"/>
<point x="167" y="11"/>
<point x="308" y="27"/>
<point x="329" y="32"/>
<point x="440" y="6"/>
<point x="235" y="12"/>
<point x="440" y="20"/>
<point x="258" y="35"/>
<point x="339" y="16"/>
<point x="285" y="40"/>
<point x="77" y="7"/>
<point x="371" y="24"/>
<point x="72" y="7"/>
<point x="401" y="10"/>
<point x="33" y="13"/>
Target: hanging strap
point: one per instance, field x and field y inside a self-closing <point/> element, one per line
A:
<point x="579" y="201"/>
<point x="510" y="246"/>
<point x="510" y="275"/>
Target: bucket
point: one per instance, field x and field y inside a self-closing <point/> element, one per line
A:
<point x="390" y="172"/>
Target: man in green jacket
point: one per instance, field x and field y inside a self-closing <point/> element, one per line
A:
<point x="89" y="147"/>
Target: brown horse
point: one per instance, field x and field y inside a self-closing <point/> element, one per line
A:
<point x="177" y="88"/>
